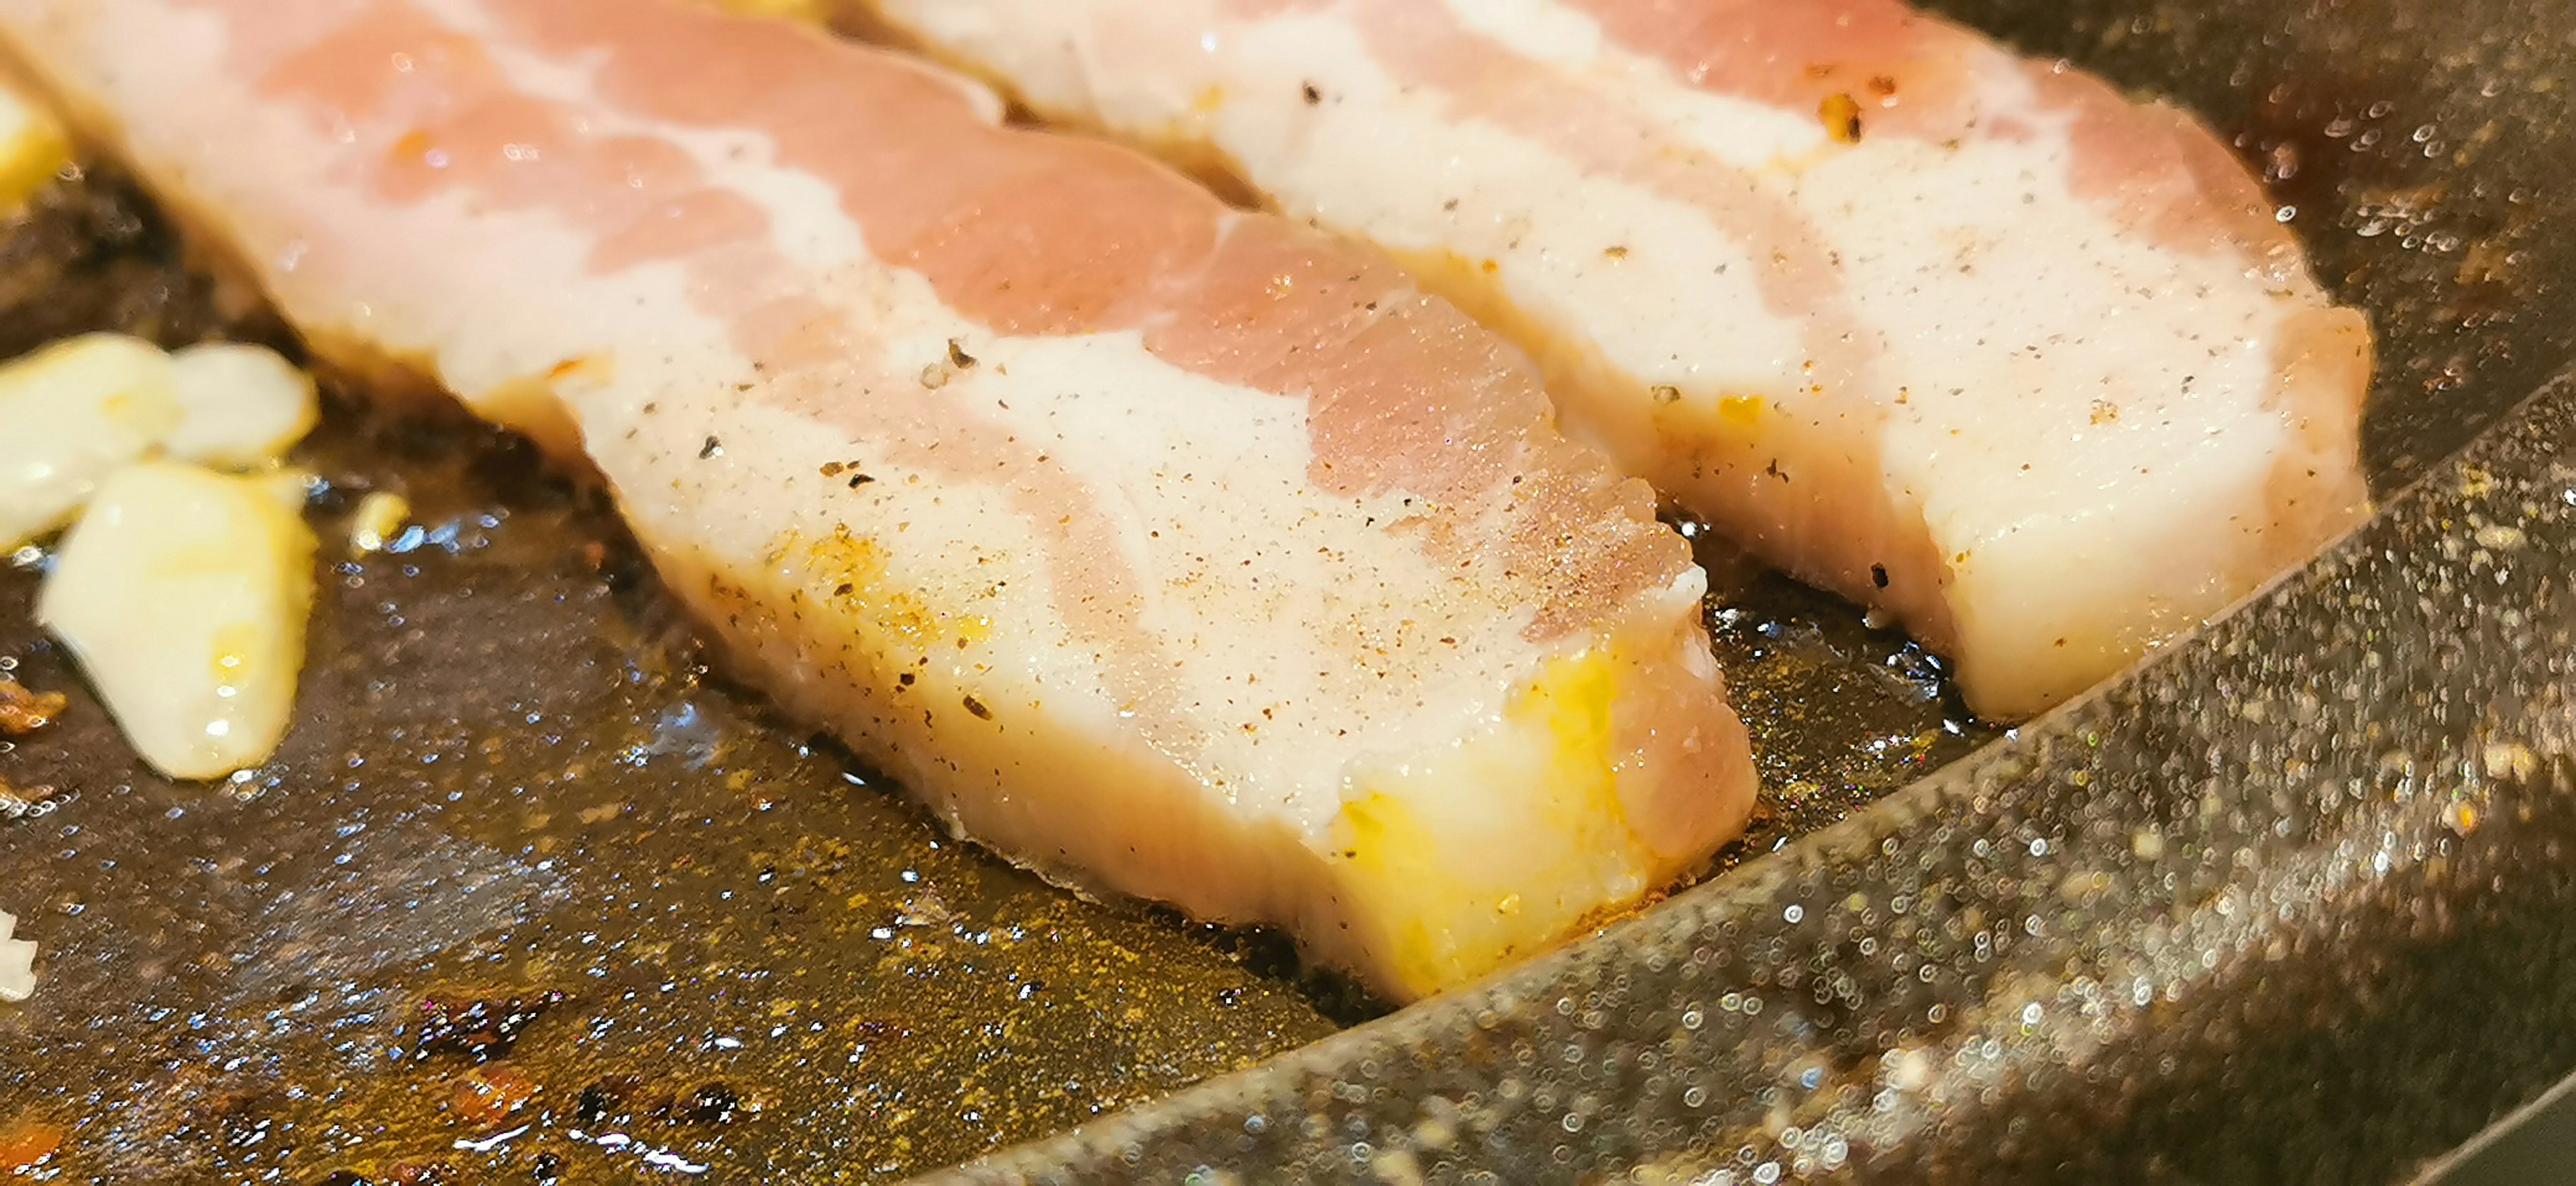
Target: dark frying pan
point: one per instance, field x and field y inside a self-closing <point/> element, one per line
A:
<point x="2287" y="906"/>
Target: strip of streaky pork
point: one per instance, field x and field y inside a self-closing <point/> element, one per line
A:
<point x="1173" y="551"/>
<point x="1969" y="338"/>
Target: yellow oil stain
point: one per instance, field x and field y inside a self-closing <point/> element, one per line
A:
<point x="413" y="145"/>
<point x="848" y="572"/>
<point x="1573" y="697"/>
<point x="1444" y="914"/>
<point x="233" y="645"/>
<point x="812" y="12"/>
<point x="1740" y="411"/>
<point x="589" y="368"/>
<point x="1841" y="115"/>
<point x="34" y="152"/>
<point x="1384" y="842"/>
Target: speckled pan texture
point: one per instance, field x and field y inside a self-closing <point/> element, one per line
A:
<point x="2288" y="906"/>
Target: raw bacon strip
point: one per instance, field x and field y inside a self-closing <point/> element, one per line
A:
<point x="1969" y="338"/>
<point x="1173" y="551"/>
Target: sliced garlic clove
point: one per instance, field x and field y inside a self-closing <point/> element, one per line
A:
<point x="240" y="406"/>
<point x="291" y="486"/>
<point x="183" y="593"/>
<point x="17" y="962"/>
<point x="379" y="519"/>
<point x="69" y="413"/>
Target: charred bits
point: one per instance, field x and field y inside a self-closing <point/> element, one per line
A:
<point x="1841" y="114"/>
<point x="410" y="1173"/>
<point x="480" y="1029"/>
<point x="600" y="1100"/>
<point x="711" y="1103"/>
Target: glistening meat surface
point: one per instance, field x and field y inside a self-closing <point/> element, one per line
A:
<point x="1174" y="551"/>
<point x="1967" y="337"/>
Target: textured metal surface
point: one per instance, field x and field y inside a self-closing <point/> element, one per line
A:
<point x="2535" y="1143"/>
<point x="2290" y="905"/>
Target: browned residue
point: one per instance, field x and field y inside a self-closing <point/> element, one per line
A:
<point x="28" y="1144"/>
<point x="1611" y="914"/>
<point x="23" y="712"/>
<point x="489" y="1094"/>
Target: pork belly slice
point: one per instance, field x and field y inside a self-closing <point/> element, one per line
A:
<point x="1173" y="551"/>
<point x="1972" y="339"/>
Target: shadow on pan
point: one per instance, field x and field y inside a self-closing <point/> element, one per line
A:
<point x="519" y="850"/>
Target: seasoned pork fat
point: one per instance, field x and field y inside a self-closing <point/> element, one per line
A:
<point x="1173" y="551"/>
<point x="1971" y="338"/>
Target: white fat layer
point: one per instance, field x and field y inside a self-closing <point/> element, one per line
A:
<point x="1395" y="161"/>
<point x="1540" y="30"/>
<point x="804" y="211"/>
<point x="2083" y="414"/>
